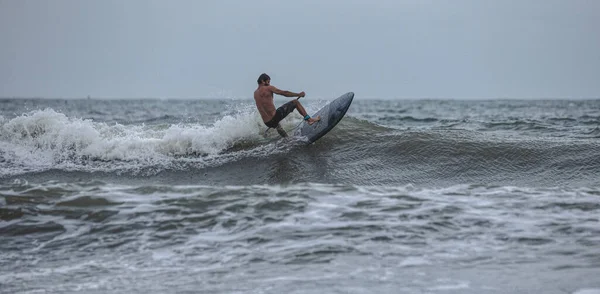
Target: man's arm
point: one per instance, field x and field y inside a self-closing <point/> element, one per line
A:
<point x="285" y="93"/>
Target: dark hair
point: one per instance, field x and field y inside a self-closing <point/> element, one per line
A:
<point x="263" y="77"/>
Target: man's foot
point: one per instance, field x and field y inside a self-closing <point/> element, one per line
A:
<point x="311" y="120"/>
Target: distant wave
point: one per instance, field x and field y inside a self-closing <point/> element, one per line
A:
<point x="408" y="119"/>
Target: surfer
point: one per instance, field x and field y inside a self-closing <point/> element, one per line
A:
<point x="263" y="96"/>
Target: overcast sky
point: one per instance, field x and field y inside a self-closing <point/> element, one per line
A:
<point x="380" y="48"/>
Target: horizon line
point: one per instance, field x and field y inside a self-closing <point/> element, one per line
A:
<point x="317" y="97"/>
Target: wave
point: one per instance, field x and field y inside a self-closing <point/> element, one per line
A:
<point x="517" y="125"/>
<point x="408" y="119"/>
<point x="46" y="139"/>
<point x="161" y="119"/>
<point x="234" y="150"/>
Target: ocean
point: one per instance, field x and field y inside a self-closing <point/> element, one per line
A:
<point x="402" y="196"/>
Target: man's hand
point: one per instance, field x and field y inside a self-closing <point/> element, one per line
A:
<point x="301" y="94"/>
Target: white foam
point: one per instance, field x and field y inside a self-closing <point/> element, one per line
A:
<point x="45" y="139"/>
<point x="459" y="285"/>
<point x="414" y="261"/>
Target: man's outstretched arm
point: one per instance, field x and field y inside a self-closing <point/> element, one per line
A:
<point x="285" y="93"/>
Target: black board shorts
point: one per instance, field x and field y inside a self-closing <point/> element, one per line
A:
<point x="281" y="113"/>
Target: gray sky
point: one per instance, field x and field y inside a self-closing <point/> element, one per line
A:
<point x="380" y="48"/>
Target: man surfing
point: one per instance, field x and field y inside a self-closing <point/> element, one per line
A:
<point x="263" y="96"/>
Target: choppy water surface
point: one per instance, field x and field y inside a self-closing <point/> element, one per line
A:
<point x="168" y="196"/>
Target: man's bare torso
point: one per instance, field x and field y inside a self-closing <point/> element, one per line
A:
<point x="263" y="96"/>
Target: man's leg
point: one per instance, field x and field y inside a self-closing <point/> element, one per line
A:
<point x="281" y="131"/>
<point x="302" y="111"/>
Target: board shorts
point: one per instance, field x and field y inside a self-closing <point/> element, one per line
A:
<point x="281" y="113"/>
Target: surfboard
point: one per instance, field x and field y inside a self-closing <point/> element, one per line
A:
<point x="331" y="114"/>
